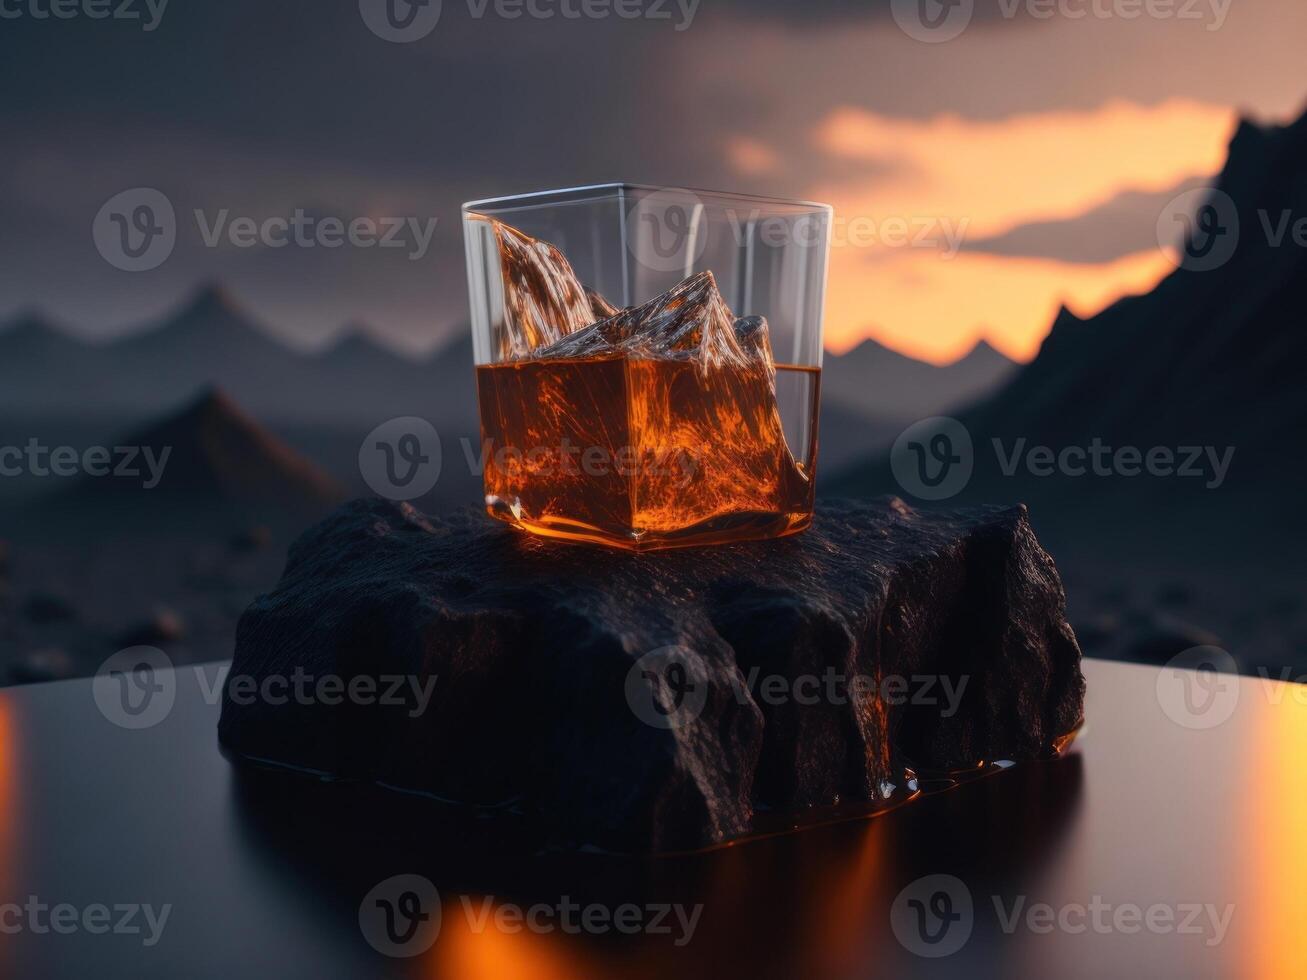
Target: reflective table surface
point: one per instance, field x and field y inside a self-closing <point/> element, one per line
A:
<point x="1170" y="842"/>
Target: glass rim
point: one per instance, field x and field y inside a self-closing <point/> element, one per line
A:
<point x="599" y="191"/>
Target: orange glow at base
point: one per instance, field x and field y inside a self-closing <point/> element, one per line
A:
<point x="493" y="954"/>
<point x="1276" y="900"/>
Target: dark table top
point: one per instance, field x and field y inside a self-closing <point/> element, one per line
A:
<point x="1159" y="848"/>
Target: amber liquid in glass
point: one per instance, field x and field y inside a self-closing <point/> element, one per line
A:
<point x="648" y="453"/>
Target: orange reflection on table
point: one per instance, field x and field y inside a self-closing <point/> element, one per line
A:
<point x="473" y="946"/>
<point x="1276" y="822"/>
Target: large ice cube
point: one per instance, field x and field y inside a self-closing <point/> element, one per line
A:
<point x="543" y="299"/>
<point x="690" y="321"/>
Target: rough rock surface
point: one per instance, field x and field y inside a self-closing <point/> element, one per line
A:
<point x="538" y="700"/>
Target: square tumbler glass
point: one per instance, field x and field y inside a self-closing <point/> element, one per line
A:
<point x="648" y="361"/>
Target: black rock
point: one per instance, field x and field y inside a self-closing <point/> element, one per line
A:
<point x="623" y="700"/>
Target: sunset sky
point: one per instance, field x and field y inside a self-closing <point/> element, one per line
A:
<point x="1035" y="153"/>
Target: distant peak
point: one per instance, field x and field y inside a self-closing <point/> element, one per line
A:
<point x="984" y="350"/>
<point x="213" y="402"/>
<point x="208" y="316"/>
<point x="1066" y="318"/>
<point x="211" y="296"/>
<point x="356" y="338"/>
<point x="30" y="326"/>
<point x="1248" y="134"/>
<point x="869" y="345"/>
<point x="26" y="321"/>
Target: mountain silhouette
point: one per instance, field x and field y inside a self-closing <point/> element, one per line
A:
<point x="214" y="466"/>
<point x="1211" y="357"/>
<point x="210" y="340"/>
<point x="880" y="383"/>
<point x="219" y="451"/>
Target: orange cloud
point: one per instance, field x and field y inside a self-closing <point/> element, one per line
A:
<point x="936" y="309"/>
<point x="987" y="176"/>
<point x="751" y="157"/>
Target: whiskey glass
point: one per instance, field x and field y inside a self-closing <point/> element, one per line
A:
<point x="682" y="420"/>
